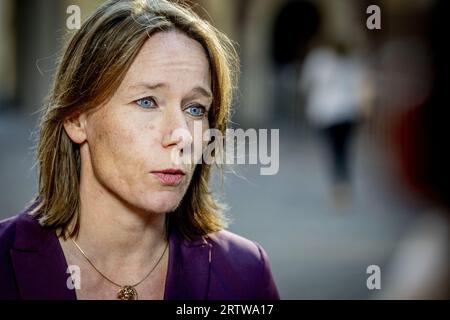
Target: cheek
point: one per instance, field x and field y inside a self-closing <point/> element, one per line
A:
<point x="112" y="142"/>
<point x="149" y="137"/>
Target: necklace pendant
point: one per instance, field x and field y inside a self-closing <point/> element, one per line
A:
<point x="127" y="293"/>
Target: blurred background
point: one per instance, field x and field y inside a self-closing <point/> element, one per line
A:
<point x="364" y="173"/>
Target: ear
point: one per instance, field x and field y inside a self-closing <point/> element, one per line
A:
<point x="75" y="127"/>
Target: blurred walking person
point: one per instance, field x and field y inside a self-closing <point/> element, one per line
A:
<point x="331" y="81"/>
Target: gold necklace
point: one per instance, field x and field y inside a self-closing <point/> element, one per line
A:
<point x="126" y="292"/>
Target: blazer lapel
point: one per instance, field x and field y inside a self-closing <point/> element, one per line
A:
<point x="39" y="262"/>
<point x="189" y="269"/>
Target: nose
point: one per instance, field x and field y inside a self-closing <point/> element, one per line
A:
<point x="176" y="131"/>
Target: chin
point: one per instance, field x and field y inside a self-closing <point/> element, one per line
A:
<point x="163" y="203"/>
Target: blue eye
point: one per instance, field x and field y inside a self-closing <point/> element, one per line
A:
<point x="196" y="110"/>
<point x="146" y="102"/>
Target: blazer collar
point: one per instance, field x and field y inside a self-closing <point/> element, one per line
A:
<point x="41" y="269"/>
<point x="39" y="263"/>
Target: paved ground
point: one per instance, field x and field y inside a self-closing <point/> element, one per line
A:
<point x="315" y="250"/>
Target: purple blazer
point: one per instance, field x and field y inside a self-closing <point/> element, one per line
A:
<point x="223" y="266"/>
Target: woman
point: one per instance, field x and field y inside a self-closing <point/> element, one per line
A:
<point x="116" y="216"/>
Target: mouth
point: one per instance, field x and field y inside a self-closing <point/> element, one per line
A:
<point x="169" y="177"/>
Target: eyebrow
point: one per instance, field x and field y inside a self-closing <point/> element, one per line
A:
<point x="197" y="90"/>
<point x="202" y="91"/>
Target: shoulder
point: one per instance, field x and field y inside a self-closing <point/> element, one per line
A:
<point x="18" y="231"/>
<point x="22" y="224"/>
<point x="319" y="55"/>
<point x="233" y="246"/>
<point x="8" y="239"/>
<point x="242" y="262"/>
<point x="7" y="236"/>
<point x="7" y="226"/>
<point x="32" y="264"/>
<point x="8" y="229"/>
<point x="22" y="220"/>
<point x="22" y="232"/>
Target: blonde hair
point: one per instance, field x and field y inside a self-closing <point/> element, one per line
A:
<point x="91" y="68"/>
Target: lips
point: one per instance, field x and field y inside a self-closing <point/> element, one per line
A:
<point x="169" y="177"/>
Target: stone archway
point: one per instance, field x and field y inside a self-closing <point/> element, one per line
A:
<point x="266" y="69"/>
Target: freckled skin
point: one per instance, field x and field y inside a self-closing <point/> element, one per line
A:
<point x="125" y="142"/>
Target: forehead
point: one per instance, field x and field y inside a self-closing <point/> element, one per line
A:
<point x="171" y="57"/>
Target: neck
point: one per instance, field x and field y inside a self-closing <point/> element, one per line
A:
<point x="113" y="232"/>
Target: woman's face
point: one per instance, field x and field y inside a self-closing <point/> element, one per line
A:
<point x="128" y="139"/>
